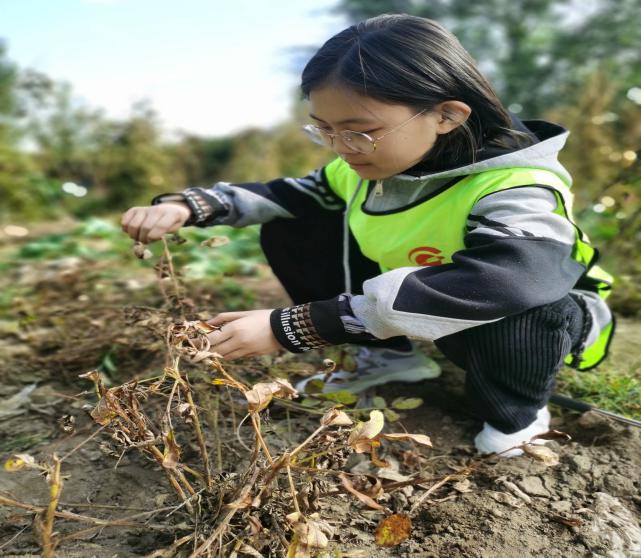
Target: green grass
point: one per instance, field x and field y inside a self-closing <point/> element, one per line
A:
<point x="612" y="386"/>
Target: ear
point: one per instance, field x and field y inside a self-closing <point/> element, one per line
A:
<point x="451" y="115"/>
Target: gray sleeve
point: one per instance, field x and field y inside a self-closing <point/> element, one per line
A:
<point x="244" y="206"/>
<point x="250" y="203"/>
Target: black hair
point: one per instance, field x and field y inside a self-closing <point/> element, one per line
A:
<point x="414" y="61"/>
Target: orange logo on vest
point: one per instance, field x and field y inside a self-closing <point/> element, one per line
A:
<point x="425" y="255"/>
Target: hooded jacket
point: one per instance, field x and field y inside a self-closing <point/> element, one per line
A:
<point x="517" y="249"/>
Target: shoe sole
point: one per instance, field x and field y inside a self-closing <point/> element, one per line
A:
<point x="407" y="376"/>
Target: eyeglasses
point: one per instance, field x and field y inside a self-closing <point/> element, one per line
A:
<point x="358" y="142"/>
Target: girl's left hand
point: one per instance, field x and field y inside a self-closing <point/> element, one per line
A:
<point x="243" y="334"/>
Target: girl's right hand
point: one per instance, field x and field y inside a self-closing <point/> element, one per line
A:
<point x="147" y="224"/>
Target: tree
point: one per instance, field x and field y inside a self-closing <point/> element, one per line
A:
<point x="537" y="53"/>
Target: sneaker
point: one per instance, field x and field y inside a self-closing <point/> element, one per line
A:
<point x="376" y="366"/>
<point x="491" y="440"/>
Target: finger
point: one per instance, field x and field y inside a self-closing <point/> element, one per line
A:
<point x="225" y="317"/>
<point x="218" y="337"/>
<point x="126" y="217"/>
<point x="148" y="224"/>
<point x="227" y="347"/>
<point x="133" y="228"/>
<point x="167" y="223"/>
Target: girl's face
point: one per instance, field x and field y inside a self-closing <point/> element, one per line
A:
<point x="336" y="109"/>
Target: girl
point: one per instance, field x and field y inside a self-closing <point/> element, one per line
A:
<point x="442" y="218"/>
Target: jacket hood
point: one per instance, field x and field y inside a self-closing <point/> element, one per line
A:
<point x="547" y="139"/>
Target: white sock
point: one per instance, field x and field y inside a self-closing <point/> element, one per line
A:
<point x="491" y="440"/>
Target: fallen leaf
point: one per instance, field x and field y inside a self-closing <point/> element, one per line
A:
<point x="311" y="535"/>
<point x="462" y="486"/>
<point x="393" y="530"/>
<point x="541" y="453"/>
<point x="569" y="521"/>
<point x="505" y="498"/>
<point x="367" y="500"/>
<point x="294" y="517"/>
<point x="297" y="550"/>
<point x="552" y="435"/>
<point x="418" y="438"/>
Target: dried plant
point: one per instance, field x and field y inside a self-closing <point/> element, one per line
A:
<point x="160" y="416"/>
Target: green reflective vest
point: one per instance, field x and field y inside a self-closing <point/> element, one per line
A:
<point x="430" y="232"/>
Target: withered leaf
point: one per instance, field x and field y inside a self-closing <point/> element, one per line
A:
<point x="186" y="412"/>
<point x="298" y="550"/>
<point x="552" y="435"/>
<point x="367" y="430"/>
<point x="462" y="486"/>
<point x="569" y="521"/>
<point x="294" y="517"/>
<point x="418" y="438"/>
<point x="255" y="525"/>
<point x="312" y="534"/>
<point x="18" y="462"/>
<point x="393" y="530"/>
<point x="261" y="394"/>
<point x="94" y="376"/>
<point x="203" y="327"/>
<point x="103" y="413"/>
<point x="367" y="500"/>
<point x="241" y="503"/>
<point x="250" y="551"/>
<point x="541" y="453"/>
<point x="335" y="417"/>
<point x="171" y="455"/>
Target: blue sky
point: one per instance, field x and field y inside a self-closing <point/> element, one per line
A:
<point x="209" y="67"/>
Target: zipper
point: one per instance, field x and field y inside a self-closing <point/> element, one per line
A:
<point x="378" y="188"/>
<point x="346" y="269"/>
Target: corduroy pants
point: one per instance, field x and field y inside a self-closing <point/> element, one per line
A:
<point x="510" y="364"/>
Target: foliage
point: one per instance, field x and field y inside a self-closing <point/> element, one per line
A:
<point x="100" y="240"/>
<point x="535" y="52"/>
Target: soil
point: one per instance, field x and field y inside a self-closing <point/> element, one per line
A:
<point x="587" y="505"/>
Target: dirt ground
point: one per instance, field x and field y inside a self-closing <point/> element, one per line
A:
<point x="587" y="505"/>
